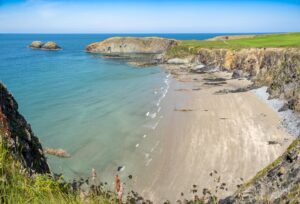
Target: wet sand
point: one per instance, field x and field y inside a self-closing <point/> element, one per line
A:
<point x="202" y="131"/>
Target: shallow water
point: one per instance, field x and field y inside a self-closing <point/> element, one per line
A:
<point x="98" y="110"/>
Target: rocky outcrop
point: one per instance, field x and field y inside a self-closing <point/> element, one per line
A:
<point x="277" y="68"/>
<point x="44" y="46"/>
<point x="50" y="46"/>
<point x="17" y="136"/>
<point x="36" y="44"/>
<point x="277" y="183"/>
<point x="131" y="45"/>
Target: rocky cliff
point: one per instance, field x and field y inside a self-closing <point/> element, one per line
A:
<point x="125" y="45"/>
<point x="277" y="68"/>
<point x="17" y="136"/>
<point x="277" y="183"/>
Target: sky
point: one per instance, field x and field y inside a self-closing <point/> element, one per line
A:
<point x="145" y="16"/>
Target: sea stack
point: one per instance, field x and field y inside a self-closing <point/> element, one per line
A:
<point x="44" y="46"/>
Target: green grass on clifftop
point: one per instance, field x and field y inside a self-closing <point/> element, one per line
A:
<point x="189" y="47"/>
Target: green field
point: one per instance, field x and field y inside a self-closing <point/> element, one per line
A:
<point x="188" y="47"/>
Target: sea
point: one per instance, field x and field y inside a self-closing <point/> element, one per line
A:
<point x="99" y="110"/>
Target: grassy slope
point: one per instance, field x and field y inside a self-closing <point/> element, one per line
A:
<point x="17" y="187"/>
<point x="188" y="47"/>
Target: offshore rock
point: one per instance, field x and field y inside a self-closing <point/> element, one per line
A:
<point x="51" y="46"/>
<point x="44" y="46"/>
<point x="36" y="44"/>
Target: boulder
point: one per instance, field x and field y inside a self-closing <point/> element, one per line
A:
<point x="237" y="74"/>
<point x="36" y="44"/>
<point x="51" y="46"/>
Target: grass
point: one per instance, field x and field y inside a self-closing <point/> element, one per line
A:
<point x="16" y="186"/>
<point x="190" y="47"/>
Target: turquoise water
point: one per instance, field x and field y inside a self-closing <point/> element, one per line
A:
<point x="94" y="108"/>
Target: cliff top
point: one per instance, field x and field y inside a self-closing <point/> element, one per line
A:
<point x="189" y="47"/>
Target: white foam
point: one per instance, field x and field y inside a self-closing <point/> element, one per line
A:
<point x="147" y="155"/>
<point x="148" y="161"/>
<point x="155" y="146"/>
<point x="155" y="125"/>
<point x="147" y="114"/>
<point x="144" y="136"/>
<point x="137" y="145"/>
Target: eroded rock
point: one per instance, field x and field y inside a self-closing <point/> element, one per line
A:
<point x="44" y="46"/>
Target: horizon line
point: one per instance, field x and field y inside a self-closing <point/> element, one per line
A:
<point x="275" y="32"/>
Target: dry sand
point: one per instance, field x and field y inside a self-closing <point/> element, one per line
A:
<point x="228" y="133"/>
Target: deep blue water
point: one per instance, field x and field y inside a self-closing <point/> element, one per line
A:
<point x="92" y="107"/>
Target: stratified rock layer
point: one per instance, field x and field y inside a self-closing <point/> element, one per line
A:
<point x="125" y="45"/>
<point x="17" y="136"/>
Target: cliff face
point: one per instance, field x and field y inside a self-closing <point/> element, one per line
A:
<point x="277" y="183"/>
<point x="17" y="136"/>
<point x="277" y="68"/>
<point x="125" y="45"/>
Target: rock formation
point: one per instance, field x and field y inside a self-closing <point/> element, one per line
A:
<point x="277" y="183"/>
<point x="125" y="45"/>
<point x="17" y="136"/>
<point x="36" y="44"/>
<point x="44" y="46"/>
<point x="50" y="46"/>
<point x="277" y="68"/>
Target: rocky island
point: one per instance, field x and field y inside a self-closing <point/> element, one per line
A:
<point x="44" y="46"/>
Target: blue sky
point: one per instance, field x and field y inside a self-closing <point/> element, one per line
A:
<point x="145" y="16"/>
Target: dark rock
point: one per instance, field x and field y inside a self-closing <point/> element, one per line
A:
<point x="285" y="107"/>
<point x="19" y="138"/>
<point x="273" y="142"/>
<point x="237" y="74"/>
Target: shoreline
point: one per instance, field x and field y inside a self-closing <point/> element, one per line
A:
<point x="238" y="136"/>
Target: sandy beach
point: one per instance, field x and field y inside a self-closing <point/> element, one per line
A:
<point x="202" y="131"/>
